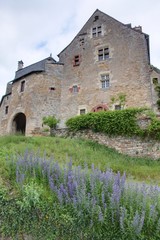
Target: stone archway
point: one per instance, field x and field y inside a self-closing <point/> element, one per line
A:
<point x="100" y="107"/>
<point x="19" y="123"/>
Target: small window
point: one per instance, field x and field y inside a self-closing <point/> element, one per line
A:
<point x="155" y="81"/>
<point x="96" y="18"/>
<point x="118" y="107"/>
<point x="75" y="89"/>
<point x="76" y="60"/>
<point x="6" y="109"/>
<point x="52" y="88"/>
<point x="105" y="81"/>
<point x="81" y="41"/>
<point x="103" y="54"/>
<point x="97" y="31"/>
<point x="82" y="111"/>
<point x="22" y="86"/>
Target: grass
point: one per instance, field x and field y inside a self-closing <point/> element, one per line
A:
<point x="43" y="199"/>
<point x="81" y="152"/>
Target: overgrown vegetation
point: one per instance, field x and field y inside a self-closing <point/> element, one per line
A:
<point x="76" y="195"/>
<point x="120" y="100"/>
<point x="119" y="122"/>
<point x="51" y="122"/>
<point x="69" y="202"/>
<point x="157" y="89"/>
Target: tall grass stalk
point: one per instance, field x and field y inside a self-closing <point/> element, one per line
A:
<point x="98" y="204"/>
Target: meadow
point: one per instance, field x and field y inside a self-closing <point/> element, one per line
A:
<point x="55" y="188"/>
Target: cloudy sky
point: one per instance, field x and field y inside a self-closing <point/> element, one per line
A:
<point x="32" y="29"/>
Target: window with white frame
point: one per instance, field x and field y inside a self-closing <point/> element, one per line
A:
<point x="103" y="54"/>
<point x="97" y="31"/>
<point x="105" y="81"/>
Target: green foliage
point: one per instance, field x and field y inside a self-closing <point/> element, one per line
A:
<point x="123" y="123"/>
<point x="80" y="152"/>
<point x="30" y="210"/>
<point x="50" y="121"/>
<point x="153" y="129"/>
<point x="110" y="122"/>
<point x="90" y="204"/>
<point x="157" y="88"/>
<point x="158" y="103"/>
<point x="31" y="194"/>
<point x="120" y="99"/>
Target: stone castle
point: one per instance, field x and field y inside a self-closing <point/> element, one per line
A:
<point x="106" y="59"/>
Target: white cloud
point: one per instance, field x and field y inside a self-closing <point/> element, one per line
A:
<point x="31" y="30"/>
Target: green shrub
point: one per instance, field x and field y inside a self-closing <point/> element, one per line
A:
<point x="50" y="121"/>
<point x="121" y="122"/>
<point x="153" y="129"/>
<point x="118" y="122"/>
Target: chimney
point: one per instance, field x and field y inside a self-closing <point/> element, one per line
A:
<point x="20" y="65"/>
<point x="138" y="28"/>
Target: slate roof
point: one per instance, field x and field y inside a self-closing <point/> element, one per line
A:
<point x="36" y="67"/>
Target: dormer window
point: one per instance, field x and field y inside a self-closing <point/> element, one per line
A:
<point x="97" y="31"/>
<point x="22" y="86"/>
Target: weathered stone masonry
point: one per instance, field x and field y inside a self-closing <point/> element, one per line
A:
<point x="105" y="59"/>
<point x="133" y="146"/>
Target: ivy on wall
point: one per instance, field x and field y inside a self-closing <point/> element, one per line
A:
<point x="122" y="122"/>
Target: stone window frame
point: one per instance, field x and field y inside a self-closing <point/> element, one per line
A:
<point x="103" y="53"/>
<point x="105" y="81"/>
<point x="82" y="108"/>
<point x="74" y="89"/>
<point x="22" y="86"/>
<point x="97" y="31"/>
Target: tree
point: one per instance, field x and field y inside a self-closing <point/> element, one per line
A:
<point x="51" y="122"/>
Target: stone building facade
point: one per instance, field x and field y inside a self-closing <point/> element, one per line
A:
<point x="106" y="59"/>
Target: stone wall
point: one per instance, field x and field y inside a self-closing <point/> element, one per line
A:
<point x="127" y="67"/>
<point x="133" y="146"/>
<point x="35" y="102"/>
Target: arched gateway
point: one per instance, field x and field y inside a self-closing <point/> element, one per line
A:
<point x="19" y="123"/>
